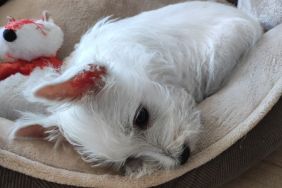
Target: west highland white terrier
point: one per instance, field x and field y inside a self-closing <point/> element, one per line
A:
<point x="127" y="95"/>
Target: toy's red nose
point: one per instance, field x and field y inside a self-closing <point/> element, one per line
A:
<point x="9" y="35"/>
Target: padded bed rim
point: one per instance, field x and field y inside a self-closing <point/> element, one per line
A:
<point x="42" y="171"/>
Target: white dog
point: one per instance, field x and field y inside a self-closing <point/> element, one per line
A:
<point x="127" y="96"/>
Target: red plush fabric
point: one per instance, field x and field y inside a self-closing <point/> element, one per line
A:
<point x="26" y="67"/>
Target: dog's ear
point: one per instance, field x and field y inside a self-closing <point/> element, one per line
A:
<point x="31" y="131"/>
<point x="90" y="79"/>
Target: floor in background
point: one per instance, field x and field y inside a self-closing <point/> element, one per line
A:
<point x="266" y="174"/>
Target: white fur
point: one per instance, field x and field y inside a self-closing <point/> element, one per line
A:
<point x="167" y="60"/>
<point x="30" y="44"/>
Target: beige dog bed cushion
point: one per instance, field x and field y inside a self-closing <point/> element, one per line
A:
<point x="228" y="115"/>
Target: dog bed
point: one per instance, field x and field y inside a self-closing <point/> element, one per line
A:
<point x="253" y="89"/>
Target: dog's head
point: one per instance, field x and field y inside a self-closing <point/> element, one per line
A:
<point x="125" y="120"/>
<point x="115" y="111"/>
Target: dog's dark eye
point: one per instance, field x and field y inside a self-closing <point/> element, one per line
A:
<point x="141" y="118"/>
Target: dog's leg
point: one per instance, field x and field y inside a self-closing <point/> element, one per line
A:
<point x="228" y="48"/>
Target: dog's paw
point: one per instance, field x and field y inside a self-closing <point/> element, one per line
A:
<point x="136" y="168"/>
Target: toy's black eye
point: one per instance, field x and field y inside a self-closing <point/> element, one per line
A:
<point x="141" y="118"/>
<point x="9" y="35"/>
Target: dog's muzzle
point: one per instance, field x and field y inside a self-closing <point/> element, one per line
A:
<point x="183" y="158"/>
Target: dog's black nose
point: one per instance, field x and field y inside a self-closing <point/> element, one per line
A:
<point x="9" y="35"/>
<point x="185" y="155"/>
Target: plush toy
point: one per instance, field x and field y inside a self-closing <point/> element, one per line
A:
<point x="268" y="12"/>
<point x="27" y="44"/>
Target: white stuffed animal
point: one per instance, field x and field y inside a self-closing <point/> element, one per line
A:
<point x="25" y="45"/>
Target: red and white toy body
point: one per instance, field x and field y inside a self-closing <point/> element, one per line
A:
<point x="27" y="44"/>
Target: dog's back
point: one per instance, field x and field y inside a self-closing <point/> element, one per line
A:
<point x="201" y="41"/>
